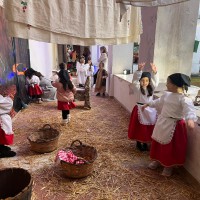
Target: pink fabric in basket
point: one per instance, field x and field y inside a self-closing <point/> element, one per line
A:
<point x="68" y="156"/>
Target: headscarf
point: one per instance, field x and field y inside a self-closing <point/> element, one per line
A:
<point x="179" y="79"/>
<point x="146" y="74"/>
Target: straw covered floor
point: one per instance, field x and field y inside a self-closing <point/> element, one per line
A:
<point x="121" y="171"/>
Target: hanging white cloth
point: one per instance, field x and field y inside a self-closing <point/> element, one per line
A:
<point x="81" y="22"/>
<point x="149" y="2"/>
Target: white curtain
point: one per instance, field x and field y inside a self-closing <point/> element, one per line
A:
<point x="81" y="22"/>
<point x="149" y="2"/>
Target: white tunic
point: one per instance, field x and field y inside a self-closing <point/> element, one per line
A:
<point x="104" y="58"/>
<point x="149" y="115"/>
<point x="34" y="80"/>
<point x="81" y="73"/>
<point x="173" y="107"/>
<point x="89" y="71"/>
<point x="6" y="104"/>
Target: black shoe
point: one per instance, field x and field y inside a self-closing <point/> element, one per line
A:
<point x="98" y="94"/>
<point x="7" y="154"/>
<point x="4" y="148"/>
<point x="104" y="95"/>
<point x="140" y="146"/>
<point x="145" y="147"/>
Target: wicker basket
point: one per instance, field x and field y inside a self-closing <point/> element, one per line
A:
<point x="45" y="140"/>
<point x="15" y="184"/>
<point x="84" y="152"/>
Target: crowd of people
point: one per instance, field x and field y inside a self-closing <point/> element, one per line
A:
<point x="157" y="125"/>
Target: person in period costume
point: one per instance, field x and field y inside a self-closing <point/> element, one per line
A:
<point x="90" y="70"/>
<point x="101" y="75"/>
<point x="169" y="138"/>
<point x="49" y="92"/>
<point x="87" y="103"/>
<point x="141" y="124"/>
<point x="104" y="57"/>
<point x="81" y="72"/>
<point x="33" y="82"/>
<point x="65" y="95"/>
<point x="6" y="131"/>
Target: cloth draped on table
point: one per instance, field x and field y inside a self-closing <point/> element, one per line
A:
<point x="85" y="23"/>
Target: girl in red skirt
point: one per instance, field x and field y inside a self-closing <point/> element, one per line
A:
<point x="6" y="132"/>
<point x="33" y="81"/>
<point x="65" y="93"/>
<point x="169" y="142"/>
<point x="142" y="123"/>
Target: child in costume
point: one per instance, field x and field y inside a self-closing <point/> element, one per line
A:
<point x="33" y="82"/>
<point x="90" y="70"/>
<point x="169" y="138"/>
<point x="65" y="94"/>
<point x="142" y="123"/>
<point x="6" y="132"/>
<point x="81" y="71"/>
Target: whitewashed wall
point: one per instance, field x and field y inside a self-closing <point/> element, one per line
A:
<point x="120" y="57"/>
<point x="43" y="57"/>
<point x="196" y="55"/>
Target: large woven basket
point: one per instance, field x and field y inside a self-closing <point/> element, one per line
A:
<point x="44" y="140"/>
<point x="84" y="152"/>
<point x="15" y="184"/>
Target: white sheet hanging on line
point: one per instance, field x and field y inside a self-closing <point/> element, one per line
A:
<point x="82" y="22"/>
<point x="149" y="2"/>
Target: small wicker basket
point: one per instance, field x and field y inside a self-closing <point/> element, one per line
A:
<point x="15" y="184"/>
<point x="83" y="152"/>
<point x="45" y="140"/>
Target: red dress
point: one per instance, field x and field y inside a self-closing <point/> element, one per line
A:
<point x="6" y="139"/>
<point x="34" y="90"/>
<point x="173" y="153"/>
<point x="66" y="105"/>
<point x="138" y="131"/>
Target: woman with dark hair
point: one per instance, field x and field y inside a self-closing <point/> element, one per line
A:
<point x="65" y="93"/>
<point x="33" y="83"/>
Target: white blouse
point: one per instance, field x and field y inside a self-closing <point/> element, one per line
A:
<point x="34" y="80"/>
<point x="104" y="58"/>
<point x="6" y="104"/>
<point x="172" y="107"/>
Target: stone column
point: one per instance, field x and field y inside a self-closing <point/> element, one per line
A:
<point x="147" y="38"/>
<point x="174" y="40"/>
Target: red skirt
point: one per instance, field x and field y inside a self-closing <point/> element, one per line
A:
<point x="138" y="131"/>
<point x="34" y="91"/>
<point x="6" y="139"/>
<point x="66" y="105"/>
<point x="174" y="153"/>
